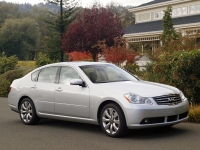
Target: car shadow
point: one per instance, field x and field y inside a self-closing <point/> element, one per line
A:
<point x="70" y="125"/>
<point x="150" y="133"/>
<point x="156" y="133"/>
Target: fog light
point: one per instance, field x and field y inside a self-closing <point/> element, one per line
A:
<point x="146" y="120"/>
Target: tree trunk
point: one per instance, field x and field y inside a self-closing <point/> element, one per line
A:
<point x="94" y="56"/>
<point x="61" y="29"/>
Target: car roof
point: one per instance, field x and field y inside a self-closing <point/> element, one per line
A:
<point x="76" y="63"/>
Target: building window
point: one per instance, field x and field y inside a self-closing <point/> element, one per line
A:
<point x="157" y="14"/>
<point x="184" y="10"/>
<point x="173" y="12"/>
<point x="144" y="17"/>
<point x="162" y="14"/>
<point x="192" y="9"/>
<point x="198" y="8"/>
<point x="179" y="11"/>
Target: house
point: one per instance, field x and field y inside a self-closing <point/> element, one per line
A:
<point x="148" y="21"/>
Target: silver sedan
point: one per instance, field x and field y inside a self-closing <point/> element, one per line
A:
<point x="97" y="93"/>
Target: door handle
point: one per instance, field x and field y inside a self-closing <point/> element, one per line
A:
<point x="34" y="87"/>
<point x="59" y="90"/>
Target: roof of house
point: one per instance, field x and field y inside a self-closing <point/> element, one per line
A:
<point x="157" y="25"/>
<point x="153" y="2"/>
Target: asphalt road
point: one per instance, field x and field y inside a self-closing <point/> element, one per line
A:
<point x="61" y="135"/>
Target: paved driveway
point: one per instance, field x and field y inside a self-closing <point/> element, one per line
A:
<point x="60" y="135"/>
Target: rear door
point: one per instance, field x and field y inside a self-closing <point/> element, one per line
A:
<point x="43" y="90"/>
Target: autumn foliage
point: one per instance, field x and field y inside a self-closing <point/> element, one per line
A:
<point x="92" y="25"/>
<point x="78" y="56"/>
<point x="118" y="53"/>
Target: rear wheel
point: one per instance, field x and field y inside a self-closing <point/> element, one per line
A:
<point x="113" y="121"/>
<point x="27" y="112"/>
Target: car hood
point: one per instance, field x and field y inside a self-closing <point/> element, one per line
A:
<point x="141" y="88"/>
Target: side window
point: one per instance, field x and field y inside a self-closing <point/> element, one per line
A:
<point x="48" y="75"/>
<point x="34" y="75"/>
<point x="67" y="74"/>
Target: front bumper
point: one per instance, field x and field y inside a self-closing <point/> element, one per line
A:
<point x="145" y="116"/>
<point x="14" y="108"/>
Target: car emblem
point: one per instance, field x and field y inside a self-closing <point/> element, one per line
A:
<point x="171" y="99"/>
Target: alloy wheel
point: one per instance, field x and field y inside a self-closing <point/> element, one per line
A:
<point x="26" y="112"/>
<point x="110" y="121"/>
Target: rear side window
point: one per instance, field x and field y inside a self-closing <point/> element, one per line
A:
<point x="34" y="75"/>
<point x="48" y="75"/>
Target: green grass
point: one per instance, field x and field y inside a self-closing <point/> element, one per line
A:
<point x="26" y="63"/>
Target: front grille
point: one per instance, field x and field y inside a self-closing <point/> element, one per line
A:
<point x="172" y="99"/>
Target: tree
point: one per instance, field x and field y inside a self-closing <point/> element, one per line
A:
<point x="127" y="18"/>
<point x="58" y="24"/>
<point x="118" y="53"/>
<point x="78" y="56"/>
<point x="8" y="11"/>
<point x="168" y="30"/>
<point x="92" y="25"/>
<point x="19" y="37"/>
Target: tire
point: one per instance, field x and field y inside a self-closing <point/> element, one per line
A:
<point x="27" y="112"/>
<point x="112" y="120"/>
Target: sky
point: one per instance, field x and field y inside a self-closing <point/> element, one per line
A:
<point x="86" y="3"/>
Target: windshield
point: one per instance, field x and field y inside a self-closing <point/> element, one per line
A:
<point x="106" y="73"/>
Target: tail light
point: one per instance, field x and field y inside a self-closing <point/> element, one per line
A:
<point x="10" y="88"/>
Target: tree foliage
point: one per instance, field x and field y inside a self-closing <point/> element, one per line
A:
<point x="118" y="53"/>
<point x="42" y="59"/>
<point x="179" y="69"/>
<point x="78" y="56"/>
<point x="8" y="11"/>
<point x="92" y="25"/>
<point x="7" y="63"/>
<point x="57" y="24"/>
<point x="127" y="18"/>
<point x="185" y="42"/>
<point x="169" y="32"/>
<point x="19" y="37"/>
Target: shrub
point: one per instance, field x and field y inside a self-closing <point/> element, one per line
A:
<point x="7" y="63"/>
<point x="132" y="68"/>
<point x="79" y="56"/>
<point x="7" y="78"/>
<point x="194" y="114"/>
<point x="42" y="60"/>
<point x="178" y="69"/>
<point x="4" y="87"/>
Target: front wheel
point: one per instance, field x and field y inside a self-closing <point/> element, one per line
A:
<point x="113" y="121"/>
<point x="27" y="112"/>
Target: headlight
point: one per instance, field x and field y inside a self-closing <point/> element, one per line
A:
<point x="182" y="96"/>
<point x="135" y="99"/>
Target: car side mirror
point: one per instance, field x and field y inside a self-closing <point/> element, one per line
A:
<point x="77" y="82"/>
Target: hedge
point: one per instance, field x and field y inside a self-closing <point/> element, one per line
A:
<point x="180" y="69"/>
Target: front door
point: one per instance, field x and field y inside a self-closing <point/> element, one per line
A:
<point x="71" y="100"/>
